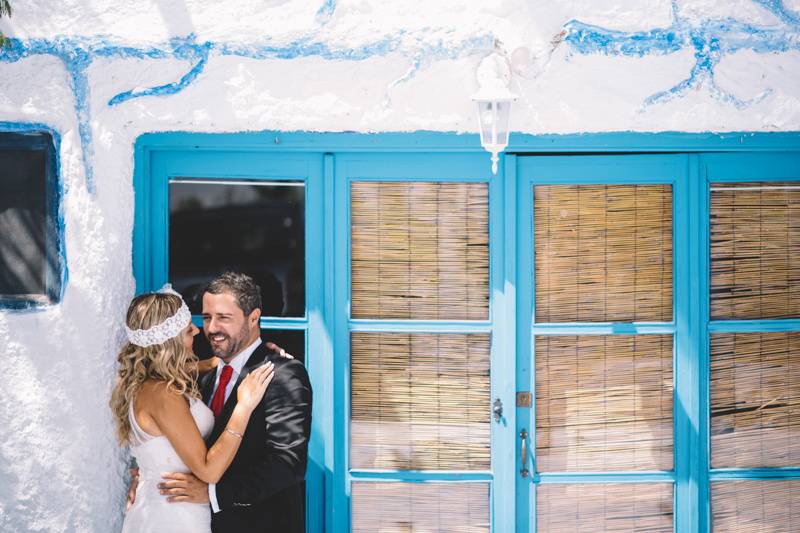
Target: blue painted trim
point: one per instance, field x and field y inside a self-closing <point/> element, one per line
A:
<point x="730" y="474"/>
<point x="603" y="328"/>
<point x="685" y="361"/>
<point x="41" y="137"/>
<point x="502" y="303"/>
<point x="525" y="488"/>
<point x="698" y="342"/>
<point x="749" y="167"/>
<point x="340" y="519"/>
<point x="319" y="353"/>
<point x="605" y="477"/>
<point x="418" y="476"/>
<point x="432" y="142"/>
<point x="421" y="326"/>
<point x="754" y="326"/>
<point x="285" y="323"/>
<point x="329" y="390"/>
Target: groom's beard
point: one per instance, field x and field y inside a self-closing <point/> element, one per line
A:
<point x="229" y="346"/>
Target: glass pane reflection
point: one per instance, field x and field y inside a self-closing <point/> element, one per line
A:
<point x="757" y="506"/>
<point x="391" y="507"/>
<point x="596" y="507"/>
<point x="253" y="227"/>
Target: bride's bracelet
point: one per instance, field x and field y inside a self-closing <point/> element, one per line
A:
<point x="232" y="432"/>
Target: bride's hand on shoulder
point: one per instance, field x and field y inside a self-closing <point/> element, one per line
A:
<point x="254" y="385"/>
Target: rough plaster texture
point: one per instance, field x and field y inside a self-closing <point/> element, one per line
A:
<point x="385" y="66"/>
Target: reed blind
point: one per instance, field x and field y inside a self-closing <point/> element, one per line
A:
<point x="420" y="401"/>
<point x="603" y="253"/>
<point x="750" y="506"/>
<point x="755" y="400"/>
<point x="755" y="250"/>
<point x="604" y="403"/>
<point x="591" y="508"/>
<point x="420" y="250"/>
<point x="420" y="507"/>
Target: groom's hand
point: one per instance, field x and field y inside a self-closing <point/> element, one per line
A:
<point x="183" y="488"/>
<point x="280" y="351"/>
<point x="132" y="489"/>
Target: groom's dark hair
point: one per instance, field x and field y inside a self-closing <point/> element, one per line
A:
<point x="242" y="286"/>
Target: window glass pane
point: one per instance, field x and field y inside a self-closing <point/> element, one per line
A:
<point x="420" y="401"/>
<point x="420" y="250"/>
<point x="755" y="400"/>
<point x="603" y="253"/>
<point x="251" y="227"/>
<point x="30" y="245"/>
<point x="755" y="250"/>
<point x="604" y="403"/>
<point x="755" y="506"/>
<point x="420" y="507"/>
<point x="590" y="508"/>
<point x="293" y="341"/>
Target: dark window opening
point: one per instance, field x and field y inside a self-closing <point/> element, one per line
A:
<point x="31" y="258"/>
<point x="246" y="226"/>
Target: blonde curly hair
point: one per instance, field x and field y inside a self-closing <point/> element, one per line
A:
<point x="169" y="362"/>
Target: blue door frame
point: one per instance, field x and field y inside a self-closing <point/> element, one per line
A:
<point x="328" y="161"/>
<point x="639" y="169"/>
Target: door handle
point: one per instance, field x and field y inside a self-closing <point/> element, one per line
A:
<point x="497" y="409"/>
<point x="524" y="436"/>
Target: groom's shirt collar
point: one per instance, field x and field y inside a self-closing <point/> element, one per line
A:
<point x="236" y="364"/>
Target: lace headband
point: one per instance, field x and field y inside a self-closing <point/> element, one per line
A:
<point x="164" y="331"/>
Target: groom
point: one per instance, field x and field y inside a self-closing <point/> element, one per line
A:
<point x="262" y="490"/>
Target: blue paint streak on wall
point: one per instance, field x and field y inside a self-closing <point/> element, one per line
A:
<point x="77" y="53"/>
<point x="777" y="8"/>
<point x="55" y="206"/>
<point x="325" y="12"/>
<point x="182" y="48"/>
<point x="76" y="58"/>
<point x="710" y="39"/>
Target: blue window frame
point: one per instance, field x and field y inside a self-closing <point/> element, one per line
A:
<point x="32" y="260"/>
<point x="329" y="162"/>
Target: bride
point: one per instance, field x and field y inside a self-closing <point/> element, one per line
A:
<point x="159" y="412"/>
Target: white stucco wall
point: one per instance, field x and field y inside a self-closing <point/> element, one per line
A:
<point x="60" y="469"/>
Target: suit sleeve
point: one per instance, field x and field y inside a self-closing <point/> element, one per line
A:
<point x="286" y="411"/>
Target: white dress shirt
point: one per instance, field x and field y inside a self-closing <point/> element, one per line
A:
<point x="236" y="364"/>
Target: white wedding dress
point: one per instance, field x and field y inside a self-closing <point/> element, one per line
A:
<point x="151" y="512"/>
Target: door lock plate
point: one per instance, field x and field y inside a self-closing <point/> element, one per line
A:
<point x="524" y="399"/>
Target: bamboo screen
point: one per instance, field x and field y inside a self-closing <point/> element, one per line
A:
<point x="420" y="401"/>
<point x="604" y="403"/>
<point x="755" y="400"/>
<point x="591" y="508"/>
<point x="603" y="253"/>
<point x="420" y="507"/>
<point x="420" y="250"/>
<point x="756" y="506"/>
<point x="755" y="250"/>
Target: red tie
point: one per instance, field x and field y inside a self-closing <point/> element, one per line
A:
<point x="219" y="396"/>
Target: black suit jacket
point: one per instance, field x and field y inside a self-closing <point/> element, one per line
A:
<point x="263" y="489"/>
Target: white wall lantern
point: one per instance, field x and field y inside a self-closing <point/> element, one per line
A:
<point x="494" y="103"/>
